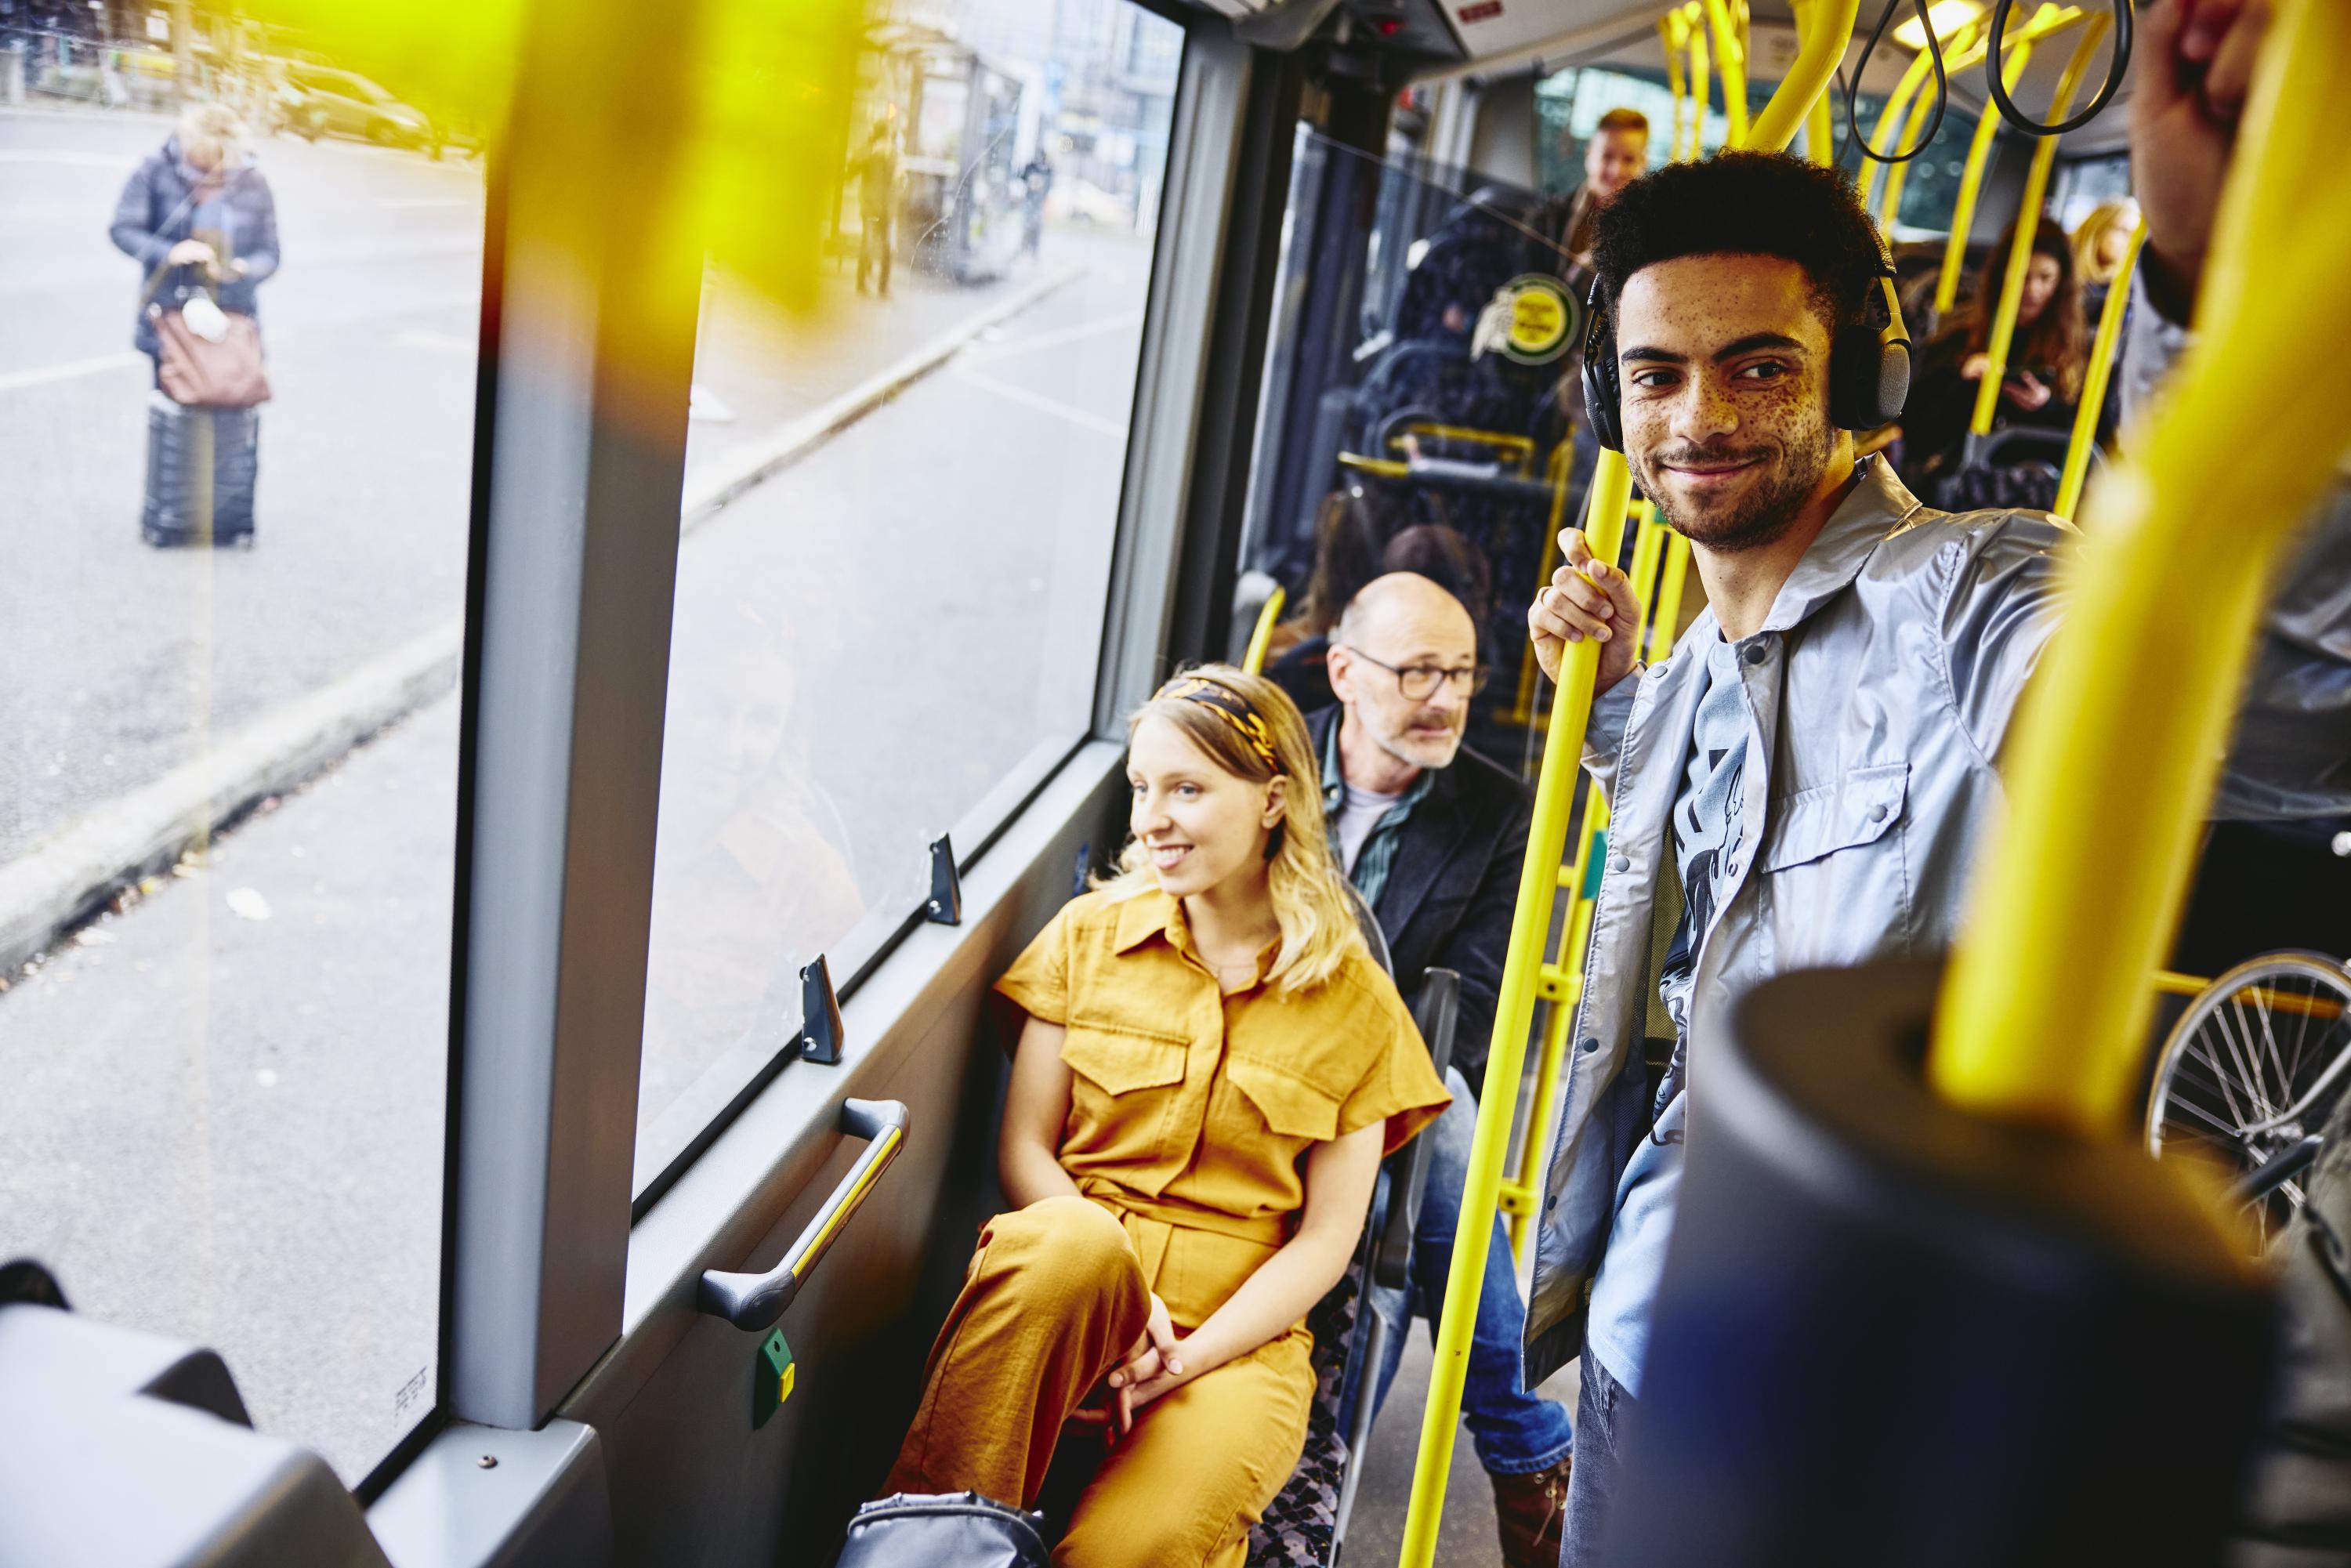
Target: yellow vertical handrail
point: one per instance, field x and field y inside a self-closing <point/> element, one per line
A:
<point x="1611" y="491"/>
<point x="2094" y="378"/>
<point x="1887" y="137"/>
<point x="1701" y="91"/>
<point x="1665" y="619"/>
<point x="1890" y="201"/>
<point x="1730" y="60"/>
<point x="2047" y="21"/>
<point x="2028" y="223"/>
<point x="1673" y="32"/>
<point x="1262" y="635"/>
<point x="2116" y="753"/>
<point x="1559" y="979"/>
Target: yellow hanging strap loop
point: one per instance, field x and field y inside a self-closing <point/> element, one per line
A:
<point x="1673" y="32"/>
<point x="1612" y="487"/>
<point x="2116" y="749"/>
<point x="2028" y="224"/>
<point x="1253" y="661"/>
<point x="2094" y="379"/>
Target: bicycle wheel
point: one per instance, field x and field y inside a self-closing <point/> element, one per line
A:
<point x="2256" y="1064"/>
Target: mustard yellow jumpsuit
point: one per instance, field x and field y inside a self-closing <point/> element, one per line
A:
<point x="1190" y="1111"/>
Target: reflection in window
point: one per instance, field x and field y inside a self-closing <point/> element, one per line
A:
<point x="895" y="634"/>
<point x="225" y="1050"/>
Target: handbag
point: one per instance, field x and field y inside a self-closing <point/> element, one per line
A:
<point x="198" y="372"/>
<point x="958" y="1530"/>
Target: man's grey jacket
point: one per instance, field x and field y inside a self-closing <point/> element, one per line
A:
<point x="1881" y="686"/>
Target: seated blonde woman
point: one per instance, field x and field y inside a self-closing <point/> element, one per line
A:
<point x="1209" y="1068"/>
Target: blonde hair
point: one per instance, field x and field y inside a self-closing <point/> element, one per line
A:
<point x="215" y="123"/>
<point x="1304" y="880"/>
<point x="2090" y="231"/>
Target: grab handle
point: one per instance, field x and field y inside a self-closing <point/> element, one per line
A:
<point x="756" y="1301"/>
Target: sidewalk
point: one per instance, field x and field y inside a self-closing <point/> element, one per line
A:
<point x="772" y="392"/>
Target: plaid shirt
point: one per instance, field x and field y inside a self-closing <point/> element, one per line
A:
<point x="1378" y="854"/>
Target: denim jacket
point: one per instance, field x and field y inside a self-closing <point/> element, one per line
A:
<point x="1881" y="685"/>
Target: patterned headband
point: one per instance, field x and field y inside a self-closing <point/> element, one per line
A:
<point x="1229" y="705"/>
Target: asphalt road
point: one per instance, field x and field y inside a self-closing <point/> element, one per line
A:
<point x="224" y="1109"/>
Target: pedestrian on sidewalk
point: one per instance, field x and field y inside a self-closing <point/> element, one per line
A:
<point x="877" y="195"/>
<point x="198" y="217"/>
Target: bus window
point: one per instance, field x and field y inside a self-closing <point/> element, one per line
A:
<point x="229" y="743"/>
<point x="892" y="633"/>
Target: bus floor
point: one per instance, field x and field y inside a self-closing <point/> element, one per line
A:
<point x="1466" y="1537"/>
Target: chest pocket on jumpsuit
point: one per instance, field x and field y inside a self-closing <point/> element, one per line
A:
<point x="1120" y="1094"/>
<point x="1833" y="879"/>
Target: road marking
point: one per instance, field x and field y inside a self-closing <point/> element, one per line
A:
<point x="1058" y="336"/>
<point x="15" y="380"/>
<point x="1082" y="418"/>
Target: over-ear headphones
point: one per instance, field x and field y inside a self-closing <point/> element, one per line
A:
<point x="1869" y="363"/>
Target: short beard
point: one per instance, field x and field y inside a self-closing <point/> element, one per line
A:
<point x="1762" y="517"/>
<point x="1395" y="746"/>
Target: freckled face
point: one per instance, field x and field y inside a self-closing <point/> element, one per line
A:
<point x="1724" y="365"/>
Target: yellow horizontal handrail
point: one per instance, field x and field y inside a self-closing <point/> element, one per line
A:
<point x="2094" y="378"/>
<point x="2042" y="1014"/>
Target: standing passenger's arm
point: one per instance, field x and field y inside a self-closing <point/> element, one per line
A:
<point x="259" y="257"/>
<point x="1339" y="1175"/>
<point x="1029" y="1152"/>
<point x="133" y="214"/>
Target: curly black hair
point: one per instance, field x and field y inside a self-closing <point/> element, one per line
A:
<point x="1754" y="203"/>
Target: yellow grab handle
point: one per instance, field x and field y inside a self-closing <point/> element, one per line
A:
<point x="1733" y="61"/>
<point x="2118" y="745"/>
<point x="1253" y="661"/>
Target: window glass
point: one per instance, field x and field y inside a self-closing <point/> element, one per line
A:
<point x="893" y="633"/>
<point x="228" y="742"/>
<point x="1418" y="410"/>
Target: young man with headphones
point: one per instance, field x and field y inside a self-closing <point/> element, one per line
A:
<point x="1791" y="784"/>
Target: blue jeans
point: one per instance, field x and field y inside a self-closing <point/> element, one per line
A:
<point x="1515" y="1433"/>
<point x="1600" y="1412"/>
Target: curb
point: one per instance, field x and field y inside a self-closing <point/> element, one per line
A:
<point x="70" y="878"/>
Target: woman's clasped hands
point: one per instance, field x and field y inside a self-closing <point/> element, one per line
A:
<point x="1154" y="1365"/>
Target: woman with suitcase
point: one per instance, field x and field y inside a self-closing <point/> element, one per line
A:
<point x="198" y="215"/>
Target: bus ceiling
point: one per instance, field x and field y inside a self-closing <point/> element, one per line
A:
<point x="1435" y="39"/>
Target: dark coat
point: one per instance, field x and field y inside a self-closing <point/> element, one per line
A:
<point x="154" y="213"/>
<point x="1454" y="888"/>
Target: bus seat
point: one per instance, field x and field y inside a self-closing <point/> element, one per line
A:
<point x="1306" y="1522"/>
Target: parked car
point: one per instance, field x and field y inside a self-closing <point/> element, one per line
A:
<point x="331" y="102"/>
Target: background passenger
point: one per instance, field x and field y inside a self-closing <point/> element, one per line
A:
<point x="1434" y="836"/>
<point x="1617" y="154"/>
<point x="1210" y="1069"/>
<point x="2047" y="357"/>
<point x="2100" y="243"/>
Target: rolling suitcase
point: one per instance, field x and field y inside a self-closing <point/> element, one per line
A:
<point x="202" y="464"/>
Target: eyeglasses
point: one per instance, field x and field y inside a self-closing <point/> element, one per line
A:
<point x="1418" y="683"/>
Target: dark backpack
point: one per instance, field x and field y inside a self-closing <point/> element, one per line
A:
<point x="958" y="1529"/>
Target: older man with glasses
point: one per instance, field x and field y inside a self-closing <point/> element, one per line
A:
<point x="1432" y="834"/>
